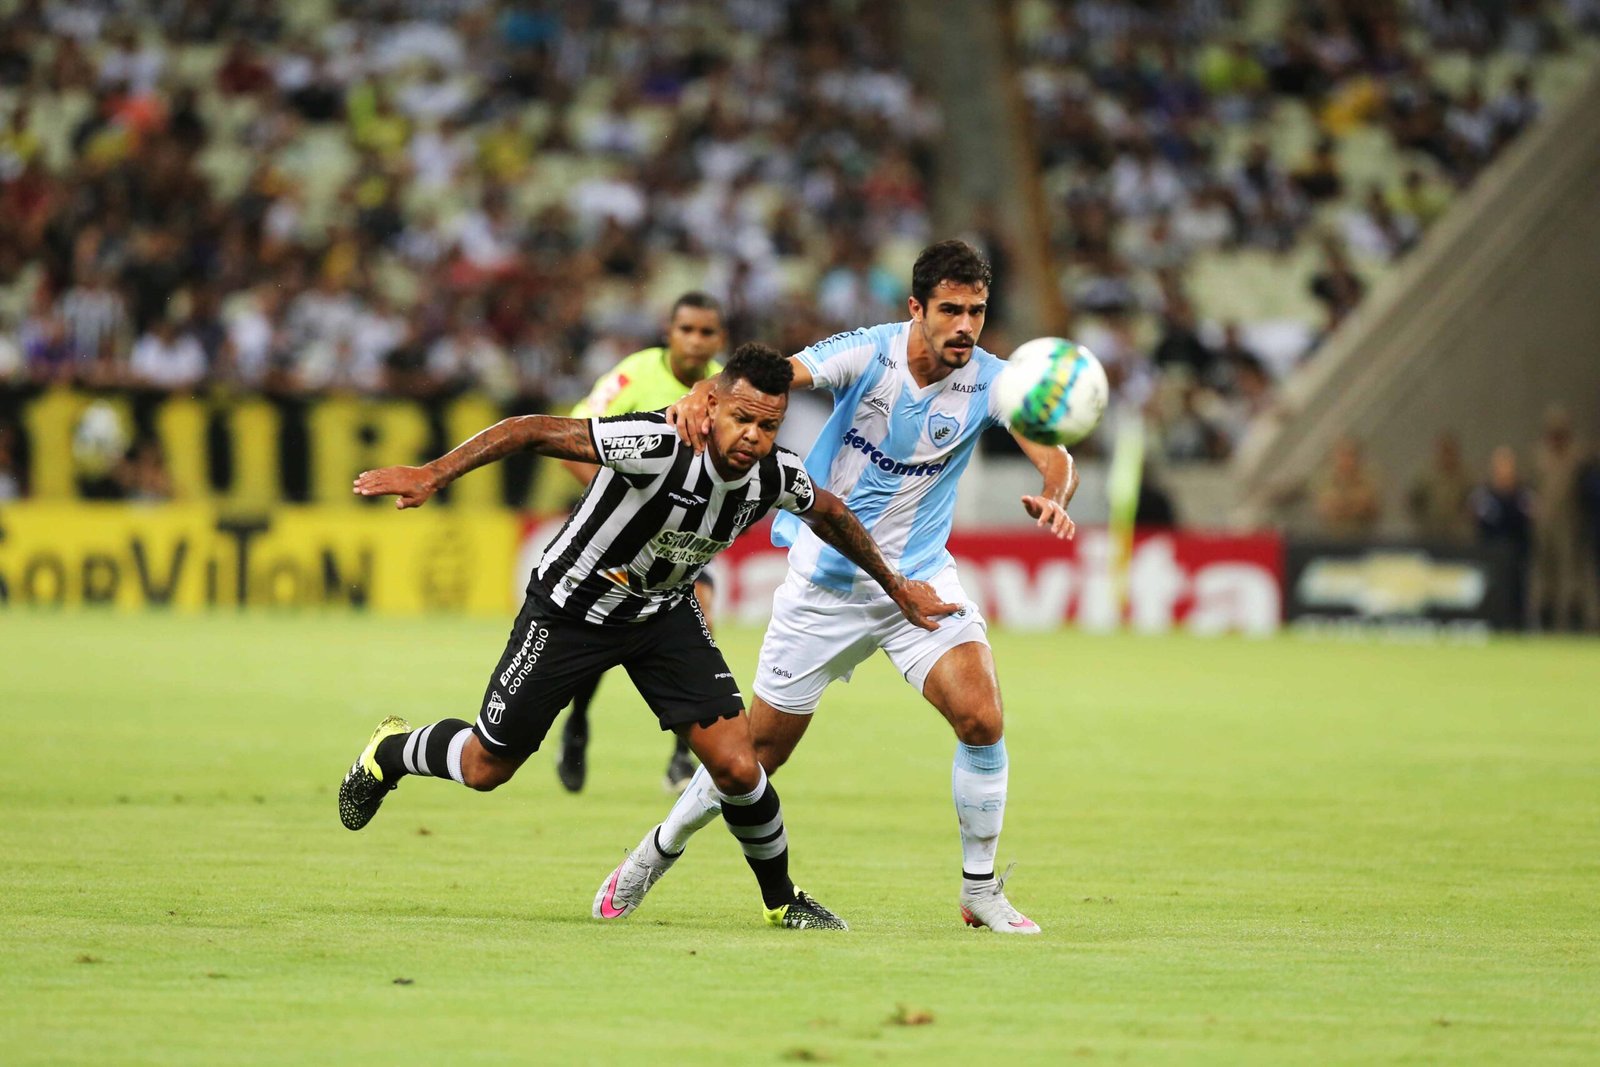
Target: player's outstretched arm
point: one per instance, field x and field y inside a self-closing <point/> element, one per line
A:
<point x="546" y="434"/>
<point x="691" y="414"/>
<point x="838" y="526"/>
<point x="1060" y="473"/>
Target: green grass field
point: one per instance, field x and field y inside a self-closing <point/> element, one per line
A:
<point x="1240" y="852"/>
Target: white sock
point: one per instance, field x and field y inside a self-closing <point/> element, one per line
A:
<point x="452" y="759"/>
<point x="697" y="807"/>
<point x="435" y="750"/>
<point x="978" y="784"/>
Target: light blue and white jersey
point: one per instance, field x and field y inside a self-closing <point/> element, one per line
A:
<point x="892" y="450"/>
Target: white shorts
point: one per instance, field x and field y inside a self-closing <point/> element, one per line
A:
<point x="818" y="636"/>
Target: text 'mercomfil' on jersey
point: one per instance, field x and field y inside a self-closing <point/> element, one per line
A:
<point x="892" y="449"/>
<point x="653" y="517"/>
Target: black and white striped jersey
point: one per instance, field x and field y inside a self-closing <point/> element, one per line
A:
<point x="653" y="517"/>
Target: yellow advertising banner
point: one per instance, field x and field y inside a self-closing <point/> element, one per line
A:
<point x="319" y="444"/>
<point x="196" y="557"/>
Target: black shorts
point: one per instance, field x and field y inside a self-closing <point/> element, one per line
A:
<point x="671" y="657"/>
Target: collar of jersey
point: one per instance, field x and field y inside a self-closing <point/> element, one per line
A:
<point x="922" y="392"/>
<point x="726" y="483"/>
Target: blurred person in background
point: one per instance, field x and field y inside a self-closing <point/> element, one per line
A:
<point x="46" y="345"/>
<point x="1589" y="501"/>
<point x="1336" y="285"/>
<point x="167" y="358"/>
<point x="1347" y="497"/>
<point x="1439" y="501"/>
<point x="1318" y="178"/>
<point x="1155" y="507"/>
<point x="13" y="365"/>
<point x="1561" y="585"/>
<point x="10" y="468"/>
<point x="647" y="380"/>
<point x="1502" y="509"/>
<point x="143" y="474"/>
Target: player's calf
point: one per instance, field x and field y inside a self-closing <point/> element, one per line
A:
<point x="483" y="770"/>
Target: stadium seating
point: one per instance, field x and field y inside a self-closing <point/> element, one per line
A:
<point x="557" y="174"/>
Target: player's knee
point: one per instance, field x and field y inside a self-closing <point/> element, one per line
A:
<point x="735" y="774"/>
<point x="979" y="726"/>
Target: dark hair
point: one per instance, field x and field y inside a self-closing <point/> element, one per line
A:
<point x="696" y="299"/>
<point x="948" y="261"/>
<point x="762" y="366"/>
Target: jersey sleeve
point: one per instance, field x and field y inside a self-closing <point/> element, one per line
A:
<point x="841" y="359"/>
<point x="797" y="494"/>
<point x="635" y="443"/>
<point x="607" y="396"/>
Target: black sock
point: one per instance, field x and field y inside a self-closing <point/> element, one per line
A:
<point x="662" y="848"/>
<point x="757" y="821"/>
<point x="681" y="745"/>
<point x="576" y="729"/>
<point x="424" y="751"/>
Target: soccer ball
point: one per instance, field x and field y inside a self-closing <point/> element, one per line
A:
<point x="1053" y="391"/>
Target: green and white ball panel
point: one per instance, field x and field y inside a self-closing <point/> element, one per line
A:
<point x="1053" y="391"/>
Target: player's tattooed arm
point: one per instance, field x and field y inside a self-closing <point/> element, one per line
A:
<point x="548" y="435"/>
<point x="838" y="526"/>
<point x="1060" y="473"/>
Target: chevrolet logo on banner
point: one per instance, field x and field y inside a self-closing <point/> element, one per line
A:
<point x="1392" y="583"/>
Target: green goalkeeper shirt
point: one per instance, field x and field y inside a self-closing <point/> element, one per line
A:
<point x="641" y="382"/>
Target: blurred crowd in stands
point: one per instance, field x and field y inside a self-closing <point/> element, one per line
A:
<point x="1176" y="140"/>
<point x="422" y="198"/>
<point x="419" y="197"/>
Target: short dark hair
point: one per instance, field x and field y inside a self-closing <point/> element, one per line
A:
<point x="696" y="299"/>
<point x="763" y="366"/>
<point x="948" y="261"/>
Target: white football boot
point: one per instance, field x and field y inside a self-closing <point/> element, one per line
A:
<point x="984" y="904"/>
<point x="624" y="888"/>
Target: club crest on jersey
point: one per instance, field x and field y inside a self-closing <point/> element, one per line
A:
<point x="746" y="513"/>
<point x="496" y="708"/>
<point x="942" y="428"/>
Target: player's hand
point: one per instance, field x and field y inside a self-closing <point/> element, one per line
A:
<point x="1049" y="513"/>
<point x="413" y="485"/>
<point x="919" y="602"/>
<point x="691" y="416"/>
